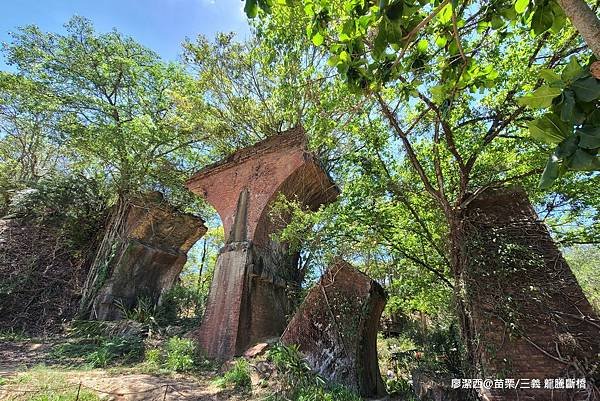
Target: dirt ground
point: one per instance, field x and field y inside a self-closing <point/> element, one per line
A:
<point x="19" y="359"/>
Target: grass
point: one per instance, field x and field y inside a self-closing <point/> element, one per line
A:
<point x="237" y="378"/>
<point x="44" y="384"/>
<point x="181" y="353"/>
<point x="100" y="352"/>
<point x="13" y="335"/>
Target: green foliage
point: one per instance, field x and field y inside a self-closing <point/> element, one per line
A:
<point x="583" y="260"/>
<point x="573" y="123"/>
<point x="12" y="335"/>
<point x="237" y="378"/>
<point x="292" y="367"/>
<point x="144" y="311"/>
<point x="180" y="354"/>
<point x="153" y="357"/>
<point x="400" y="387"/>
<point x="299" y="382"/>
<point x="74" y="204"/>
<point x="176" y="355"/>
<point x="87" y="328"/>
<point x="100" y="352"/>
<point x="118" y="109"/>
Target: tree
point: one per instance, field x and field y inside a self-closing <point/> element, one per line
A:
<point x="585" y="21"/>
<point x="445" y="77"/>
<point x="27" y="151"/>
<point x="120" y="111"/>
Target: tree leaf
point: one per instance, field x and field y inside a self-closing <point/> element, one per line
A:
<point x="566" y="148"/>
<point x="394" y="10"/>
<point x="572" y="70"/>
<point x="540" y="98"/>
<point x="542" y="19"/>
<point x="581" y="160"/>
<point x="586" y="89"/>
<point x="251" y="8"/>
<point x="445" y="15"/>
<point x="438" y="93"/>
<point x="521" y="6"/>
<point x="441" y="41"/>
<point x="589" y="139"/>
<point x="549" y="75"/>
<point x="550" y="173"/>
<point x="550" y="129"/>
<point x="567" y="107"/>
<point x="318" y="39"/>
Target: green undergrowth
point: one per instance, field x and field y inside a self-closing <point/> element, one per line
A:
<point x="99" y="352"/>
<point x="237" y="378"/>
<point x="44" y="384"/>
<point x="297" y="382"/>
<point x="13" y="335"/>
<point x="175" y="355"/>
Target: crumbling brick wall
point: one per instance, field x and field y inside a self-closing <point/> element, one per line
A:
<point x="532" y="320"/>
<point x="148" y="257"/>
<point x="249" y="296"/>
<point x="336" y="328"/>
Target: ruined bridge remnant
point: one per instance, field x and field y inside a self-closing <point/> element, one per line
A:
<point x="336" y="328"/>
<point x="148" y="255"/>
<point x="529" y="313"/>
<point x="248" y="300"/>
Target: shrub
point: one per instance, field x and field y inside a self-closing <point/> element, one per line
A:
<point x="153" y="356"/>
<point x="100" y="352"/>
<point x="74" y="203"/>
<point x="299" y="382"/>
<point x="400" y="387"/>
<point x="145" y="311"/>
<point x="238" y="377"/>
<point x="181" y="305"/>
<point x="181" y="353"/>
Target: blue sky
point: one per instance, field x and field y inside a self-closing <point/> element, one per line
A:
<point x="160" y="25"/>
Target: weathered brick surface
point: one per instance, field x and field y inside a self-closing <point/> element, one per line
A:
<point x="529" y="312"/>
<point x="248" y="300"/>
<point x="336" y="328"/>
<point x="149" y="258"/>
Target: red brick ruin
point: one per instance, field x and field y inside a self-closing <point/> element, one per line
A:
<point x="148" y="257"/>
<point x="336" y="328"/>
<point x="249" y="295"/>
<point x="531" y="318"/>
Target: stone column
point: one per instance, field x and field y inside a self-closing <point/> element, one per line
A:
<point x="336" y="328"/>
<point x="149" y="257"/>
<point x="248" y="300"/>
<point x="529" y="313"/>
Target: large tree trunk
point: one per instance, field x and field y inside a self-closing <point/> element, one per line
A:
<point x="585" y="21"/>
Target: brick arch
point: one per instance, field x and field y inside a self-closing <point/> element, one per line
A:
<point x="308" y="185"/>
<point x="248" y="299"/>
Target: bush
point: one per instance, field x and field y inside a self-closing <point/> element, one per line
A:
<point x="299" y="382"/>
<point x="181" y="354"/>
<point x="100" y="352"/>
<point x="180" y="305"/>
<point x="400" y="387"/>
<point x="74" y="203"/>
<point x="238" y="377"/>
<point x="153" y="357"/>
<point x="144" y="311"/>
